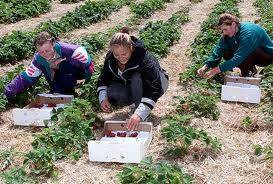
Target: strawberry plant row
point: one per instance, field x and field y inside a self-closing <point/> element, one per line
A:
<point x="149" y="172"/>
<point x="18" y="45"/>
<point x="159" y="36"/>
<point x="147" y="7"/>
<point x="65" y="139"/>
<point x="15" y="10"/>
<point x="203" y="45"/>
<point x="178" y="132"/>
<point x="180" y="138"/>
<point x="265" y="9"/>
<point x="199" y="105"/>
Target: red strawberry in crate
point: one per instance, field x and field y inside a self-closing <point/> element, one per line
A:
<point x="51" y="105"/>
<point x="121" y="134"/>
<point x="135" y="134"/>
<point x="38" y="106"/>
<point x="109" y="133"/>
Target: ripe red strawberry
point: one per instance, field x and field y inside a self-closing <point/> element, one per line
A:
<point x="51" y="105"/>
<point x="109" y="133"/>
<point x="121" y="134"/>
<point x="135" y="134"/>
<point x="38" y="106"/>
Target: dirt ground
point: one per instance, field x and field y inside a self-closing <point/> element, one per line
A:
<point x="236" y="163"/>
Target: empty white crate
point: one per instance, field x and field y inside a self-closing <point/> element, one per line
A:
<point x="121" y="149"/>
<point x="241" y="89"/>
<point x="34" y="116"/>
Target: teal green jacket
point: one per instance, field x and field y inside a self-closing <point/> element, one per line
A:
<point x="249" y="37"/>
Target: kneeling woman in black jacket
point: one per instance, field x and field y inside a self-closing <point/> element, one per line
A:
<point x="131" y="75"/>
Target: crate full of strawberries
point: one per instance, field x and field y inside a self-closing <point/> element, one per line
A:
<point x="117" y="144"/>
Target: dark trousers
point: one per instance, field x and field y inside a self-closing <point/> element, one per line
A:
<point x="65" y="78"/>
<point x="257" y="57"/>
<point x="123" y="95"/>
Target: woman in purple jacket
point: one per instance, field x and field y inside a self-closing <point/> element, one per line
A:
<point x="62" y="65"/>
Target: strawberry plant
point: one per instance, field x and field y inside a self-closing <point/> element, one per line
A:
<point x="87" y="90"/>
<point x="146" y="8"/>
<point x="149" y="172"/>
<point x="199" y="105"/>
<point x="66" y="138"/>
<point x="17" y="175"/>
<point x="6" y="159"/>
<point x="15" y="10"/>
<point x="181" y="118"/>
<point x="11" y="173"/>
<point x="16" y="46"/>
<point x="3" y="102"/>
<point x="159" y="36"/>
<point x="181" y="138"/>
<point x="40" y="162"/>
<point x="266" y="150"/>
<point x="246" y="121"/>
<point x="265" y="10"/>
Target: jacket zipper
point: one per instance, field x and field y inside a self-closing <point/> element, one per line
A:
<point x="118" y="76"/>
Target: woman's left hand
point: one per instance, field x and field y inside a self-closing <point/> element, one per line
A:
<point x="212" y="73"/>
<point x="133" y="122"/>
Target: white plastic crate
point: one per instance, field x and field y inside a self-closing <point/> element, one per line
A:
<point x="33" y="116"/>
<point x="241" y="89"/>
<point x="121" y="149"/>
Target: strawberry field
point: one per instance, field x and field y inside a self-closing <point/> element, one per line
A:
<point x="197" y="138"/>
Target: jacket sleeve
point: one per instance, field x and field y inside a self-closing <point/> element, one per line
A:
<point x="104" y="79"/>
<point x="218" y="52"/>
<point x="248" y="43"/>
<point x="86" y="61"/>
<point x="152" y="87"/>
<point x="22" y="81"/>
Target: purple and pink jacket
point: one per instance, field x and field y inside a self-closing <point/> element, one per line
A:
<point x="74" y="67"/>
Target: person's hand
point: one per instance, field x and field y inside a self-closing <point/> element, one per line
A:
<point x="133" y="122"/>
<point x="201" y="71"/>
<point x="80" y="56"/>
<point x="105" y="105"/>
<point x="212" y="73"/>
<point x="56" y="63"/>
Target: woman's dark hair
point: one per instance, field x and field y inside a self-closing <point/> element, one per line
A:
<point x="227" y="19"/>
<point x="42" y="38"/>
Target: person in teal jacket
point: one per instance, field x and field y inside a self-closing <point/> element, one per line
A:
<point x="242" y="45"/>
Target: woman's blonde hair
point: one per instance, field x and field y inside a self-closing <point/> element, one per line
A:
<point x="227" y="19"/>
<point x="122" y="38"/>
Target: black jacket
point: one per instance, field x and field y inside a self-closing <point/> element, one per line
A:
<point x="141" y="61"/>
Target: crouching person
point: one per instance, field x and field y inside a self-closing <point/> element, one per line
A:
<point x="243" y="45"/>
<point x="62" y="64"/>
<point x="131" y="75"/>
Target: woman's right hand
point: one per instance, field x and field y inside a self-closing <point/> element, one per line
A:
<point x="201" y="71"/>
<point x="105" y="105"/>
